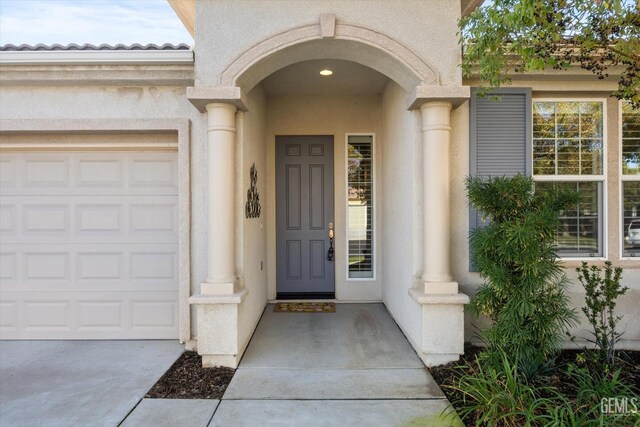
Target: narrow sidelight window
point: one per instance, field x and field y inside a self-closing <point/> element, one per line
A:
<point x="568" y="151"/>
<point x="630" y="180"/>
<point x="360" y="206"/>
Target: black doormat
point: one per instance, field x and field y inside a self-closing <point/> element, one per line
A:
<point x="305" y="307"/>
<point x="187" y="379"/>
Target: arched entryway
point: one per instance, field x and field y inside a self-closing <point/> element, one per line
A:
<point x="401" y="111"/>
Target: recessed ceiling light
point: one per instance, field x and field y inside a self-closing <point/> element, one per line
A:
<point x="326" y="72"/>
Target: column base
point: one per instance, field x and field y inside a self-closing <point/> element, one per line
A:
<point x="442" y="326"/>
<point x="213" y="360"/>
<point x="438" y="359"/>
<point x="439" y="287"/>
<point x="217" y="319"/>
<point x="218" y="288"/>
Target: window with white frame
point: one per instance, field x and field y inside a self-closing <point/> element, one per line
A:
<point x="568" y="151"/>
<point x="360" y="208"/>
<point x="630" y="173"/>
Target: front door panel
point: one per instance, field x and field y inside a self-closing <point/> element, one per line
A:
<point x="304" y="210"/>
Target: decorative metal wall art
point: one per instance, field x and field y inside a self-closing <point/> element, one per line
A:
<point x="252" y="208"/>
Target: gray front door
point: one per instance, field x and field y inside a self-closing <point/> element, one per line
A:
<point x="304" y="215"/>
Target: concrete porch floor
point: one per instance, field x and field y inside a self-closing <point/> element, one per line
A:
<point x="352" y="367"/>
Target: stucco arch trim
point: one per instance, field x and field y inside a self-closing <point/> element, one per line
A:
<point x="346" y="41"/>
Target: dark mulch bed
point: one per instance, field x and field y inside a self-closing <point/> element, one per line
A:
<point x="446" y="375"/>
<point x="187" y="379"/>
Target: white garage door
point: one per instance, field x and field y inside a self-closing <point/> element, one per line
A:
<point x="88" y="245"/>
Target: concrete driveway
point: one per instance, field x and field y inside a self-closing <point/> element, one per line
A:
<point x="83" y="383"/>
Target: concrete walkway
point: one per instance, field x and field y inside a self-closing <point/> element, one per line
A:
<point x="78" y="383"/>
<point x="351" y="368"/>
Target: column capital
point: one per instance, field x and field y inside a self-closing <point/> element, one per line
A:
<point x="221" y="117"/>
<point x="436" y="116"/>
<point x="202" y="96"/>
<point x="423" y="94"/>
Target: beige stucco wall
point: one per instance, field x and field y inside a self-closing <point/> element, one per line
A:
<point x="401" y="208"/>
<point x="252" y="247"/>
<point x="629" y="304"/>
<point x="225" y="29"/>
<point x="326" y="115"/>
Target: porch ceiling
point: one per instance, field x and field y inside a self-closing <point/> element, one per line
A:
<point x="303" y="78"/>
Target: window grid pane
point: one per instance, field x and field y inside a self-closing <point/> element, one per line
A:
<point x="567" y="138"/>
<point x="360" y="206"/>
<point x="578" y="233"/>
<point x="631" y="218"/>
<point x="630" y="140"/>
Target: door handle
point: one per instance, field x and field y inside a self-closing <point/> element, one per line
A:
<point x="330" y="253"/>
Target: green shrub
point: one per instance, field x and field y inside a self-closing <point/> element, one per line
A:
<point x="524" y="289"/>
<point x="503" y="397"/>
<point x="601" y="295"/>
<point x="500" y="396"/>
<point x="583" y="408"/>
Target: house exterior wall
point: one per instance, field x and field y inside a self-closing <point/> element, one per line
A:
<point x="252" y="259"/>
<point x="401" y="211"/>
<point x="584" y="87"/>
<point x="225" y="29"/>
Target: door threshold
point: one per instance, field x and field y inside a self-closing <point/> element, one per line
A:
<point x="280" y="300"/>
<point x="306" y="296"/>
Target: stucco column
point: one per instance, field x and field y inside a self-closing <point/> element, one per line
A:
<point x="436" y="138"/>
<point x="221" y="137"/>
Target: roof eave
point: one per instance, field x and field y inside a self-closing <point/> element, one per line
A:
<point x="186" y="11"/>
<point x="92" y="57"/>
<point x="466" y="6"/>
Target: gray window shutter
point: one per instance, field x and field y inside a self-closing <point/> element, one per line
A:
<point x="500" y="138"/>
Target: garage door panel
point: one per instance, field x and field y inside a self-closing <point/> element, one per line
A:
<point x="47" y="267"/>
<point x="8" y="268"/>
<point x="153" y="266"/>
<point x="89" y="267"/>
<point x="101" y="315"/>
<point x="8" y="316"/>
<point x="8" y="220"/>
<point x="80" y="219"/>
<point x="100" y="266"/>
<point x="153" y="172"/>
<point x="88" y="246"/>
<point x="45" y="172"/>
<point x="8" y="177"/>
<point x="48" y="315"/>
<point x="45" y="219"/>
<point x="88" y="315"/>
<point x="99" y="172"/>
<point x="154" y="314"/>
<point x="149" y="219"/>
<point x="87" y="173"/>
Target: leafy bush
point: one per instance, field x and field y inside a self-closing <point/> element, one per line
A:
<point x="602" y="293"/>
<point x="524" y="289"/>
